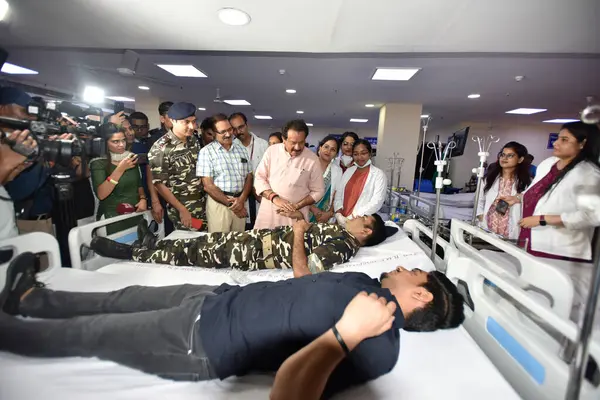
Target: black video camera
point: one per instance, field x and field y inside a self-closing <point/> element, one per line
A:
<point x="54" y="119"/>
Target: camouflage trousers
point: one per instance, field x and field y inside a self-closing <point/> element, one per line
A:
<point x="246" y="251"/>
<point x="198" y="210"/>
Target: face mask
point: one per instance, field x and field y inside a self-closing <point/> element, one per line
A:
<point x="364" y="166"/>
<point x="347" y="160"/>
<point x="119" y="157"/>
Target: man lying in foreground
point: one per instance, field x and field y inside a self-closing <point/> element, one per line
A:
<point x="199" y="332"/>
<point x="307" y="248"/>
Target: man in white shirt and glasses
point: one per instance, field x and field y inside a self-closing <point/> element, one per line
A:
<point x="256" y="148"/>
<point x="226" y="172"/>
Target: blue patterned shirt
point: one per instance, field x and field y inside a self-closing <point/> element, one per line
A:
<point x="227" y="168"/>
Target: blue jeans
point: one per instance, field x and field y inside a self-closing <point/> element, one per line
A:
<point x="152" y="329"/>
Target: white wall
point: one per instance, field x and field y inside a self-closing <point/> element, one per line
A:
<point x="534" y="137"/>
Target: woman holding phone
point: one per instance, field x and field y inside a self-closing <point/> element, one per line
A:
<point x="508" y="176"/>
<point x="116" y="180"/>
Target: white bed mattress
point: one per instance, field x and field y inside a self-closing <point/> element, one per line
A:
<point x="446" y="364"/>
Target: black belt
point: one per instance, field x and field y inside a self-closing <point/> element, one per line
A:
<point x="230" y="194"/>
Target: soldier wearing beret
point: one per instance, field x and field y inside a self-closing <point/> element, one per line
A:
<point x="173" y="161"/>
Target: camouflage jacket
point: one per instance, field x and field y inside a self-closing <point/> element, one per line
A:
<point x="326" y="245"/>
<point x="173" y="163"/>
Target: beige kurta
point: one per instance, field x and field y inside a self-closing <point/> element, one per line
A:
<point x="292" y="178"/>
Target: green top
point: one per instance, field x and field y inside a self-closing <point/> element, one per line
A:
<point x="125" y="192"/>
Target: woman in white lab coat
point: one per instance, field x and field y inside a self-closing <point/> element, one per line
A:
<point x="322" y="210"/>
<point x="363" y="186"/>
<point x="560" y="208"/>
<point x="508" y="176"/>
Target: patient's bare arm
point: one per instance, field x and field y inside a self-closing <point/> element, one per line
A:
<point x="297" y="215"/>
<point x="303" y="375"/>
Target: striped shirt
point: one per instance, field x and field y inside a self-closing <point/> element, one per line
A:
<point x="227" y="168"/>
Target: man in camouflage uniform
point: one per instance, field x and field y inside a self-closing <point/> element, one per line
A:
<point x="173" y="164"/>
<point x="307" y="248"/>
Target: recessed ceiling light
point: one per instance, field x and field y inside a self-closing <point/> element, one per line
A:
<point x="121" y="98"/>
<point x="290" y="91"/>
<point x="474" y="96"/>
<point x="526" y="111"/>
<point x="394" y="74"/>
<point x="186" y="71"/>
<point x="309" y="124"/>
<point x="425" y="116"/>
<point x="233" y="16"/>
<point x="3" y="9"/>
<point x="143" y="88"/>
<point x="93" y="94"/>
<point x="237" y="102"/>
<point x="263" y="117"/>
<point x="299" y="112"/>
<point x="560" y="121"/>
<point x="358" y="120"/>
<point x="13" y="69"/>
<point x="369" y="105"/>
<point x="201" y="108"/>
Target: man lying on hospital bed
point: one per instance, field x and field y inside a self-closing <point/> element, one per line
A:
<point x="199" y="332"/>
<point x="307" y="248"/>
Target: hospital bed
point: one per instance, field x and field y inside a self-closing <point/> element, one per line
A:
<point x="451" y="359"/>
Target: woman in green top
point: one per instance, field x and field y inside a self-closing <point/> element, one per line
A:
<point x="116" y="179"/>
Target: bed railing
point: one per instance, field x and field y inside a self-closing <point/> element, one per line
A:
<point x="80" y="238"/>
<point x="415" y="229"/>
<point x="36" y="242"/>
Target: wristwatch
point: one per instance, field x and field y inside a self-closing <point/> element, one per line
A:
<point x="543" y="220"/>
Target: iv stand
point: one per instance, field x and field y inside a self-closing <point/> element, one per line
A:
<point x="591" y="115"/>
<point x="484" y="144"/>
<point x="425" y="127"/>
<point x="440" y="163"/>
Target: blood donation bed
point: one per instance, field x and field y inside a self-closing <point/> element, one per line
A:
<point x="445" y="364"/>
<point x="452" y="206"/>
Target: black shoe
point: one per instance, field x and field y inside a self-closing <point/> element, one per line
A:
<point x="20" y="277"/>
<point x="145" y="236"/>
<point x="109" y="248"/>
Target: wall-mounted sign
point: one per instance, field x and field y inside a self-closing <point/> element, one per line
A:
<point x="553" y="137"/>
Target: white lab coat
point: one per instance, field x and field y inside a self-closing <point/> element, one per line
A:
<point x="373" y="194"/>
<point x="574" y="239"/>
<point x="487" y="199"/>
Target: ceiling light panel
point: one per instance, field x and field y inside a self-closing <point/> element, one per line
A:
<point x="121" y="98"/>
<point x="237" y="102"/>
<point x="184" y="71"/>
<point x="474" y="96"/>
<point x="299" y="112"/>
<point x="13" y="69"/>
<point x="369" y="105"/>
<point x="143" y="88"/>
<point x="93" y="94"/>
<point x="233" y="16"/>
<point x="361" y="120"/>
<point x="263" y="117"/>
<point x="309" y="124"/>
<point x="526" y="111"/>
<point x="394" y="74"/>
<point x="425" y="116"/>
<point x="201" y="108"/>
<point x="290" y="91"/>
<point x="560" y="121"/>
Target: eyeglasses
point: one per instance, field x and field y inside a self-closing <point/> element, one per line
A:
<point x="507" y="156"/>
<point x="230" y="130"/>
<point x="239" y="128"/>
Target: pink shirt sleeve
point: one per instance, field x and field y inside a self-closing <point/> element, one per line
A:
<point x="261" y="179"/>
<point x="316" y="185"/>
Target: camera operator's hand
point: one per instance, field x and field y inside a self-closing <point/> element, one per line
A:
<point x="127" y="163"/>
<point x="13" y="162"/>
<point x="64" y="136"/>
<point x="117" y="118"/>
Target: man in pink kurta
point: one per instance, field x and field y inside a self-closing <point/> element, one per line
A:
<point x="289" y="178"/>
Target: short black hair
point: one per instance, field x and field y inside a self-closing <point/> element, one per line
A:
<point x="445" y="311"/>
<point x="277" y="135"/>
<point x="379" y="233"/>
<point x="238" y="114"/>
<point x="138" y="115"/>
<point x="206" y="124"/>
<point x="327" y="139"/>
<point x="529" y="158"/>
<point x="365" y="143"/>
<point x="218" y="118"/>
<point x="346" y="134"/>
<point x="297" y="125"/>
<point x="163" y="108"/>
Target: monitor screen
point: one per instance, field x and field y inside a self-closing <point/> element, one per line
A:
<point x="460" y="138"/>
